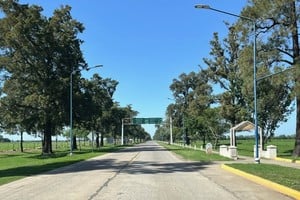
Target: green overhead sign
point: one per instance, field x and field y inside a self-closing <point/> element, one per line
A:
<point x="146" y="120"/>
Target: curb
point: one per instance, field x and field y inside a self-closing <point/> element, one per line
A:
<point x="288" y="160"/>
<point x="274" y="186"/>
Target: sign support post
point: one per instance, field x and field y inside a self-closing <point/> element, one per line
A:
<point x="138" y="121"/>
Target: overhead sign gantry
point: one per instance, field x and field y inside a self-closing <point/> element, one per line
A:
<point x="138" y="121"/>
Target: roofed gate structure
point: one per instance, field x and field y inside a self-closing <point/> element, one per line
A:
<point x="231" y="151"/>
<point x="243" y="126"/>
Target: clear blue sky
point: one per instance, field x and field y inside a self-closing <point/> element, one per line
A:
<point x="145" y="44"/>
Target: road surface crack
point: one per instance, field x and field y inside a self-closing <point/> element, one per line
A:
<point x="113" y="177"/>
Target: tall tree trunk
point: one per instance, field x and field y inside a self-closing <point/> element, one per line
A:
<point x="296" y="151"/>
<point x="97" y="140"/>
<point x="102" y="140"/>
<point x="21" y="141"/>
<point x="79" y="144"/>
<point x="47" y="143"/>
<point x="296" y="52"/>
<point x="115" y="139"/>
<point x="203" y="141"/>
<point x="264" y="142"/>
<point x="74" y="143"/>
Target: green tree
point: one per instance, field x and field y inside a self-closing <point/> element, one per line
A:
<point x="229" y="67"/>
<point x="182" y="91"/>
<point x="223" y="69"/>
<point x="138" y="134"/>
<point x="113" y="120"/>
<point x="277" y="25"/>
<point x="173" y="111"/>
<point x="162" y="133"/>
<point x="37" y="55"/>
<point x="192" y="95"/>
<point x="215" y="123"/>
<point x="94" y="97"/>
<point x="201" y="101"/>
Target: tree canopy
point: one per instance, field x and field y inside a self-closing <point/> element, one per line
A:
<point x="229" y="67"/>
<point x="39" y="58"/>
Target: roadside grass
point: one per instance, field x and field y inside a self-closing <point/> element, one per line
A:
<point x="245" y="146"/>
<point x="286" y="176"/>
<point x="16" y="165"/>
<point x="194" y="155"/>
<point x="284" y="147"/>
<point x="31" y="145"/>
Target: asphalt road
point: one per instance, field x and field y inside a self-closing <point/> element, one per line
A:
<point x="146" y="171"/>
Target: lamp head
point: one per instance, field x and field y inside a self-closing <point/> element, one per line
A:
<point x="202" y="6"/>
<point x="96" y="66"/>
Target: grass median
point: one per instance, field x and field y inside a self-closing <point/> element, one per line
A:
<point x="194" y="155"/>
<point x="15" y="165"/>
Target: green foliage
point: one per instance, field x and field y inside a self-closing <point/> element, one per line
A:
<point x="224" y="70"/>
<point x="93" y="99"/>
<point x="38" y="58"/>
<point x="77" y="132"/>
<point x="38" y="54"/>
<point x="230" y="66"/>
<point x="162" y="133"/>
<point x="277" y="23"/>
<point x="232" y="74"/>
<point x="192" y="95"/>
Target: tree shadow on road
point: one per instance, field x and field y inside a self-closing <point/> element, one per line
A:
<point x="133" y="166"/>
<point x="110" y="164"/>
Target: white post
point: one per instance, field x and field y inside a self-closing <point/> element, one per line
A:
<point x="171" y="130"/>
<point x="122" y="136"/>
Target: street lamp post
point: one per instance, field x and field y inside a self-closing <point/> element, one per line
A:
<point x="171" y="125"/>
<point x="122" y="133"/>
<point x="171" y="130"/>
<point x="200" y="6"/>
<point x="71" y="103"/>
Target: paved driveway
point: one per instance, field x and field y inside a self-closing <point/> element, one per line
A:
<point x="146" y="171"/>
